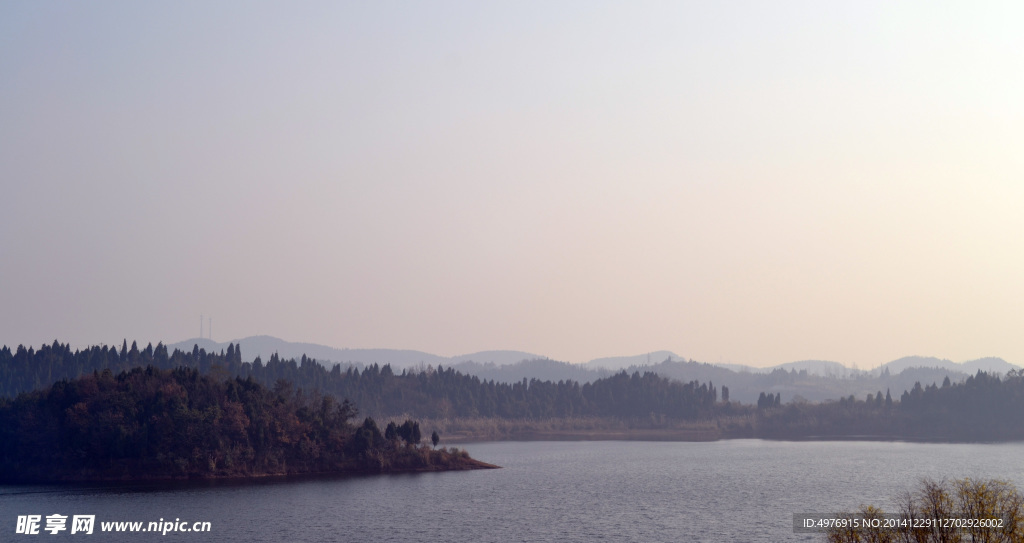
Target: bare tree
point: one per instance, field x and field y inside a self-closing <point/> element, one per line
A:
<point x="946" y="512"/>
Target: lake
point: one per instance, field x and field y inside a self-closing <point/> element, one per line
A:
<point x="734" y="490"/>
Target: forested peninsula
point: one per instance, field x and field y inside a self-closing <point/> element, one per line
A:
<point x="149" y="423"/>
<point x="984" y="407"/>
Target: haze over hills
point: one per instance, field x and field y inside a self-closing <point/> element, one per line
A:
<point x="496" y="357"/>
<point x="823" y="368"/>
<point x="811" y="380"/>
<point x="265" y="346"/>
<point x="491" y="361"/>
<point x="827" y="368"/>
<point x="542" y="369"/>
<point x="622" y="362"/>
<point x="988" y="364"/>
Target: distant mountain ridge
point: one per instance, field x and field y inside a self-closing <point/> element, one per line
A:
<point x="989" y="364"/>
<point x="807" y="380"/>
<point x="265" y="346"/>
<point x="824" y="368"/>
<point x="622" y="362"/>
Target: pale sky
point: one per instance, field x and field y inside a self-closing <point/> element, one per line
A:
<point x="745" y="182"/>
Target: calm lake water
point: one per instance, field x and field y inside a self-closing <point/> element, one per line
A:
<point x="738" y="490"/>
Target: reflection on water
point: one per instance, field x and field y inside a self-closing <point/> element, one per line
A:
<point x="741" y="490"/>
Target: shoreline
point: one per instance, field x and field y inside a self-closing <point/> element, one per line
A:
<point x="462" y="464"/>
<point x="686" y="435"/>
<point x="479" y="429"/>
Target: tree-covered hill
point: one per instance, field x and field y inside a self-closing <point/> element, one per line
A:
<point x="152" y="423"/>
<point x="379" y="391"/>
<point x="982" y="408"/>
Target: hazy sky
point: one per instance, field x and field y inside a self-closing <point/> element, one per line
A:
<point x="747" y="182"/>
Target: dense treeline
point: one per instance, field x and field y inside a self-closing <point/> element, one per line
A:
<point x="799" y="385"/>
<point x="152" y="423"/>
<point x="792" y="384"/>
<point x="983" y="407"/>
<point x="439" y="393"/>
